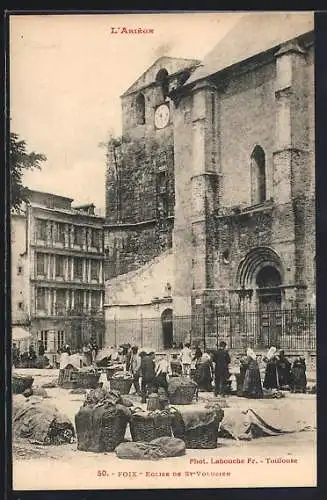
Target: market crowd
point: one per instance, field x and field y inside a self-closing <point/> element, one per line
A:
<point x="211" y="370"/>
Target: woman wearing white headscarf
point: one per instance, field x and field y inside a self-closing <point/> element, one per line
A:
<point x="252" y="387"/>
<point x="271" y="373"/>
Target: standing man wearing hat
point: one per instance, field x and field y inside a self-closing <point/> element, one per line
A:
<point x="222" y="360"/>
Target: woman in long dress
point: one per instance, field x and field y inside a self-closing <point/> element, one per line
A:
<point x="203" y="372"/>
<point x="283" y="370"/>
<point x="298" y="375"/>
<point x="241" y="376"/>
<point x="252" y="387"/>
<point x="271" y="373"/>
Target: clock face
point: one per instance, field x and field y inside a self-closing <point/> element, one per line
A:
<point x="161" y="117"/>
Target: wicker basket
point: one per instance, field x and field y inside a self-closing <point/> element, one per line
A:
<point x="120" y="384"/>
<point x="183" y="395"/>
<point x="87" y="380"/>
<point x="149" y="426"/>
<point x="113" y="431"/>
<point x="21" y="383"/>
<point x="202" y="437"/>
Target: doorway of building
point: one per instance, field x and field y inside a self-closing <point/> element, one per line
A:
<point x="167" y="328"/>
<point x="268" y="282"/>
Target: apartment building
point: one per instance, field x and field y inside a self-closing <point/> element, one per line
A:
<point x="57" y="271"/>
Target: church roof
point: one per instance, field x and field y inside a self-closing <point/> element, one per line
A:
<point x="172" y="64"/>
<point x="253" y="34"/>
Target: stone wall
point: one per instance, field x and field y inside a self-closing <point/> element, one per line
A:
<point x="247" y="118"/>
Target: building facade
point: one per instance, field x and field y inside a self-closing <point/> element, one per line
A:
<point x="57" y="271"/>
<point x="241" y="223"/>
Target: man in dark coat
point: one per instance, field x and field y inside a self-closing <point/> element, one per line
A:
<point x="284" y="370"/>
<point x="41" y="349"/>
<point x="222" y="360"/>
<point x="147" y="374"/>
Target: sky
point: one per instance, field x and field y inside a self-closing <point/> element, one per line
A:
<point x="67" y="73"/>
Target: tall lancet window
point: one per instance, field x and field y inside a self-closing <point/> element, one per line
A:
<point x="258" y="175"/>
<point x="140" y="109"/>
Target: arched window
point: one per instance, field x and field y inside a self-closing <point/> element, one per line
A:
<point x="258" y="175"/>
<point x="140" y="109"/>
<point x="163" y="80"/>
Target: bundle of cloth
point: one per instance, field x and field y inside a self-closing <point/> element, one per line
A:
<point x="162" y="447"/>
<point x="40" y="422"/>
<point x="192" y="418"/>
<point x="250" y="423"/>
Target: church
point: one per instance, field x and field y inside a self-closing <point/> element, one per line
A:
<point x="210" y="194"/>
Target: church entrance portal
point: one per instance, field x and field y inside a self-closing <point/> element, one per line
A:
<point x="268" y="283"/>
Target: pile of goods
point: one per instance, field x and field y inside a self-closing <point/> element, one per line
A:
<point x="102" y="421"/>
<point x="20" y="383"/>
<point x="182" y="390"/>
<point x="40" y="422"/>
<point x="197" y="428"/>
<point x="122" y="382"/>
<point x="148" y="425"/>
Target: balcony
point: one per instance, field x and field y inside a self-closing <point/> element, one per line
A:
<point x="62" y="311"/>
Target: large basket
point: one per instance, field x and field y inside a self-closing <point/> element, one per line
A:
<point x="120" y="384"/>
<point x="183" y="395"/>
<point x="21" y="383"/>
<point x="69" y="377"/>
<point x="87" y="380"/>
<point x="113" y="431"/>
<point x="149" y="426"/>
<point x="202" y="437"/>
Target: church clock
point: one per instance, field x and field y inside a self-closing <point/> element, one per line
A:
<point x="161" y="116"/>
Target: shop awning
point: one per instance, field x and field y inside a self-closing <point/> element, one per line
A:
<point x="19" y="333"/>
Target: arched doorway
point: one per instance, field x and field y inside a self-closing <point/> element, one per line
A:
<point x="268" y="282"/>
<point x="167" y="328"/>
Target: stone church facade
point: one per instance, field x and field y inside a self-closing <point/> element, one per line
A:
<point x="211" y="190"/>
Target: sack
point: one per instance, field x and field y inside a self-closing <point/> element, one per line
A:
<point x="172" y="447"/>
<point x="163" y="447"/>
<point x="39" y="391"/>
